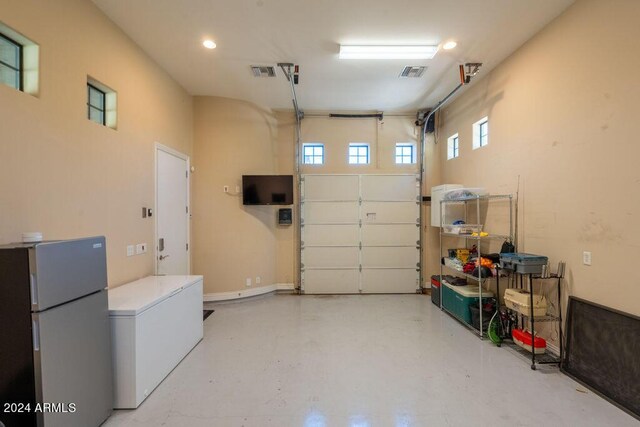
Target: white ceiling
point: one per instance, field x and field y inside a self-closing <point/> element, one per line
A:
<point x="264" y="32"/>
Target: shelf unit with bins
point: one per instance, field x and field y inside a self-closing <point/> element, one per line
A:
<point x="466" y="202"/>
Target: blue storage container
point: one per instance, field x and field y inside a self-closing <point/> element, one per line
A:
<point x="523" y="263"/>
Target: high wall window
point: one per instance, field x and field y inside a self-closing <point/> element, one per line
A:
<point x="358" y="153"/>
<point x="10" y="62"/>
<point x="96" y="104"/>
<point x="481" y="133"/>
<point x="453" y="147"/>
<point x="313" y="153"/>
<point x="405" y="153"/>
<point x="101" y="103"/>
<point x="19" y="61"/>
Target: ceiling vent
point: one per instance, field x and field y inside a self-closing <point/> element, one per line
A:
<point x="263" y="71"/>
<point x="412" y="71"/>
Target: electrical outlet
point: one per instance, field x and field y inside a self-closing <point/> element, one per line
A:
<point x="225" y="188"/>
<point x="130" y="250"/>
<point x="586" y="258"/>
<point x="141" y="248"/>
<point x="248" y="281"/>
<point x="258" y="280"/>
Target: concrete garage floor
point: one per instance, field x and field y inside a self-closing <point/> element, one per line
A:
<point x="393" y="360"/>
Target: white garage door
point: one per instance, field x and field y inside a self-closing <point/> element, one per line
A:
<point x="360" y="234"/>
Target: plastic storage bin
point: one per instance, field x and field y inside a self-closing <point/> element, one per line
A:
<point x="452" y="211"/>
<point x="457" y="299"/>
<point x="462" y="229"/>
<point x="465" y="193"/>
<point x="487" y="312"/>
<point x="523" y="263"/>
<point x="435" y="290"/>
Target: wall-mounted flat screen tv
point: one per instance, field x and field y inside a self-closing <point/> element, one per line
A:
<point x="267" y="189"/>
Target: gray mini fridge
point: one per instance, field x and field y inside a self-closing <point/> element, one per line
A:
<point x="55" y="348"/>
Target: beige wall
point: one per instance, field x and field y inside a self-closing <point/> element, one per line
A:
<point x="563" y="113"/>
<point x="65" y="175"/>
<point x="287" y="248"/>
<point x="232" y="242"/>
<point x="430" y="235"/>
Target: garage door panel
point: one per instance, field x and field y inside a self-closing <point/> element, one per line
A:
<point x="373" y="212"/>
<point x="328" y="212"/>
<point x="386" y="235"/>
<point x="389" y="281"/>
<point x="404" y="257"/>
<point x="331" y="281"/>
<point x="389" y="187"/>
<point x="336" y="246"/>
<point x="331" y="187"/>
<point x="330" y="235"/>
<point x="330" y="257"/>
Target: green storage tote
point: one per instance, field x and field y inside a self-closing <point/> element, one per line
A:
<point x="457" y="299"/>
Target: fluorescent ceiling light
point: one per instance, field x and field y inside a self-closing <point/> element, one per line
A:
<point x="449" y="45"/>
<point x="209" y="44"/>
<point x="387" y="52"/>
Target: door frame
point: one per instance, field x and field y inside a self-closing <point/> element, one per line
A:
<point x="161" y="147"/>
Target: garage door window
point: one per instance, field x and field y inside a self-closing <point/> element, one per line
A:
<point x="358" y="153"/>
<point x="405" y="153"/>
<point x="313" y="154"/>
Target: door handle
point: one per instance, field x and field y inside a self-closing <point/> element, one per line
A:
<point x="161" y="244"/>
<point x="35" y="331"/>
<point x="161" y="257"/>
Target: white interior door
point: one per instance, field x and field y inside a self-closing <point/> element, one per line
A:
<point x="360" y="234"/>
<point x="172" y="212"/>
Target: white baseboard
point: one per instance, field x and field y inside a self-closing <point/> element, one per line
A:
<point x="553" y="349"/>
<point x="245" y="293"/>
<point x="285" y="286"/>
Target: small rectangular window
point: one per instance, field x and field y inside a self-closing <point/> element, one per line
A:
<point x="101" y="103"/>
<point x="19" y="61"/>
<point x="358" y="153"/>
<point x="481" y="133"/>
<point x="484" y="133"/>
<point x="313" y="154"/>
<point x="453" y="147"/>
<point x="405" y="153"/>
<point x="96" y="104"/>
<point x="10" y="62"/>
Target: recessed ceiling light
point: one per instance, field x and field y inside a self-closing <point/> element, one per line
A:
<point x="387" y="52"/>
<point x="449" y="45"/>
<point x="209" y="44"/>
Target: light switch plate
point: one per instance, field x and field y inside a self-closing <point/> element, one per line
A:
<point x="141" y="248"/>
<point x="258" y="280"/>
<point x="586" y="258"/>
<point x="248" y="281"/>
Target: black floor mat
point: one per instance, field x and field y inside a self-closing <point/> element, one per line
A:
<point x="206" y="313"/>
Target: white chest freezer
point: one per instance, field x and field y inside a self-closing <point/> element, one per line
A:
<point x="155" y="322"/>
